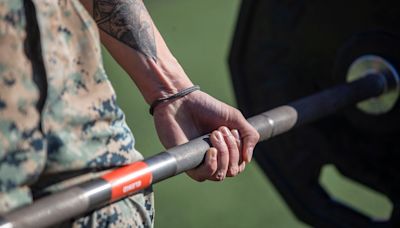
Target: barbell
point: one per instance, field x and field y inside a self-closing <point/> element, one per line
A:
<point x="285" y="50"/>
<point x="372" y="80"/>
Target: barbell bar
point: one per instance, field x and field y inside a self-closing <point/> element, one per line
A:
<point x="372" y="84"/>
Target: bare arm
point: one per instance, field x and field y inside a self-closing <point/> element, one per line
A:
<point x="130" y="35"/>
<point x="127" y="31"/>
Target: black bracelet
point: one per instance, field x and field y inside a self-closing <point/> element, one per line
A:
<point x="179" y="94"/>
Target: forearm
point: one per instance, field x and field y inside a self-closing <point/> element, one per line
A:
<point x="128" y="32"/>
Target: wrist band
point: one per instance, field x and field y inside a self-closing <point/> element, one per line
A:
<point x="179" y="94"/>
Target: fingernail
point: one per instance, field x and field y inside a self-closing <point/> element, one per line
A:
<point x="219" y="136"/>
<point x="250" y="153"/>
<point x="226" y="131"/>
<point x="235" y="133"/>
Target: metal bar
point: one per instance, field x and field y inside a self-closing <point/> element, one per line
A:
<point x="132" y="178"/>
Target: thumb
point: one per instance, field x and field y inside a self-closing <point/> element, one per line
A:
<point x="207" y="169"/>
<point x="250" y="138"/>
<point x="169" y="132"/>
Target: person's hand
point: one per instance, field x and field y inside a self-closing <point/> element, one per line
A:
<point x="232" y="137"/>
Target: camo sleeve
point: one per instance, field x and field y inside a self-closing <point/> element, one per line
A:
<point x="71" y="124"/>
<point x="22" y="156"/>
<point x="83" y="124"/>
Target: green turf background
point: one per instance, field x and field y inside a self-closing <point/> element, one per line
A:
<point x="199" y="34"/>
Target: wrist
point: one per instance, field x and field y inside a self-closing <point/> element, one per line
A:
<point x="171" y="98"/>
<point x="162" y="79"/>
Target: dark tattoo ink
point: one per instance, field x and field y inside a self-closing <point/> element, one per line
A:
<point x="128" y="22"/>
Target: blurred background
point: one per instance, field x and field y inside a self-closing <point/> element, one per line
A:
<point x="199" y="34"/>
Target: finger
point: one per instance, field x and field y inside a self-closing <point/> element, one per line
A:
<point x="242" y="164"/>
<point x="207" y="169"/>
<point x="250" y="138"/>
<point x="233" y="151"/>
<point x="249" y="143"/>
<point x="218" y="142"/>
<point x="236" y="135"/>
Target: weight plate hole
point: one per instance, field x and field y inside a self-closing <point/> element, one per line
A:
<point x="354" y="194"/>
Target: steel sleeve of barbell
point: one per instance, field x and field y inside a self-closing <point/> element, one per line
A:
<point x="127" y="180"/>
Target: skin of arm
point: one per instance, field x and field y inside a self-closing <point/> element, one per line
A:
<point x="125" y="25"/>
<point x="128" y="32"/>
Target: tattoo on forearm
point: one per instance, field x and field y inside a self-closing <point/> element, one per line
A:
<point x="129" y="22"/>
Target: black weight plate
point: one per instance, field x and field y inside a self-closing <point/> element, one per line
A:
<point x="284" y="50"/>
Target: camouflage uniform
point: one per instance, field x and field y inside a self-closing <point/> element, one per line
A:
<point x="58" y="111"/>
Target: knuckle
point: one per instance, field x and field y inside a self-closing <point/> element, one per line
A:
<point x="236" y="112"/>
<point x="220" y="176"/>
<point x="254" y="134"/>
<point x="233" y="171"/>
<point x="232" y="148"/>
<point x="218" y="141"/>
<point x="223" y="151"/>
<point x="209" y="169"/>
